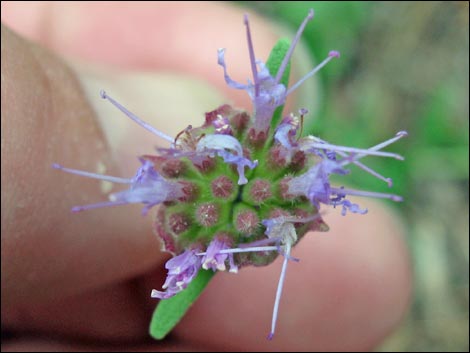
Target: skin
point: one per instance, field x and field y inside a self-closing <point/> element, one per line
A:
<point x="82" y="282"/>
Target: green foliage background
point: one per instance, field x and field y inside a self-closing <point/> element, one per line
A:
<point x="404" y="66"/>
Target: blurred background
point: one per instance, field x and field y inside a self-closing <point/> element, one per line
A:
<point x="404" y="66"/>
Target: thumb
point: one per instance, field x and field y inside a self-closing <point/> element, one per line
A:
<point x="47" y="251"/>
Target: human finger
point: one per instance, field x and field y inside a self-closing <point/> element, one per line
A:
<point x="46" y="251"/>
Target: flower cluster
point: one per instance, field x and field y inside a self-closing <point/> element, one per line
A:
<point x="237" y="190"/>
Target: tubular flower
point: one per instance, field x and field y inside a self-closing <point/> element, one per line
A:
<point x="241" y="189"/>
<point x="181" y="270"/>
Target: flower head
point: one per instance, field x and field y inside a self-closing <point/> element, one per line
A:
<point x="241" y="189"/>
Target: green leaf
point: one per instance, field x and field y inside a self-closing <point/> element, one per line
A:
<point x="273" y="64"/>
<point x="170" y="311"/>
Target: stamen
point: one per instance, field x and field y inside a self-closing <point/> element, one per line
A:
<point x="135" y="118"/>
<point x="261" y="242"/>
<point x="381" y="145"/>
<point x="361" y="152"/>
<point x="334" y="54"/>
<point x="252" y="55"/>
<point x="399" y="135"/>
<point x="92" y="175"/>
<point x="241" y="250"/>
<point x="279" y="291"/>
<point x="98" y="205"/>
<point x="296" y="39"/>
<point x="331" y="55"/>
<point x="185" y="131"/>
<point x="367" y="169"/>
<point x="341" y="191"/>
<point x="302" y="113"/>
<point x="378" y="147"/>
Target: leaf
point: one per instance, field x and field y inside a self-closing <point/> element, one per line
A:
<point x="273" y="64"/>
<point x="170" y="311"/>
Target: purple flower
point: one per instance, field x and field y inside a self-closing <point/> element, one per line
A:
<point x="215" y="258"/>
<point x="181" y="271"/>
<point x="147" y="187"/>
<point x="315" y="183"/>
<point x="219" y="144"/>
<point x="266" y="91"/>
<point x="351" y="207"/>
<point x="286" y="132"/>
